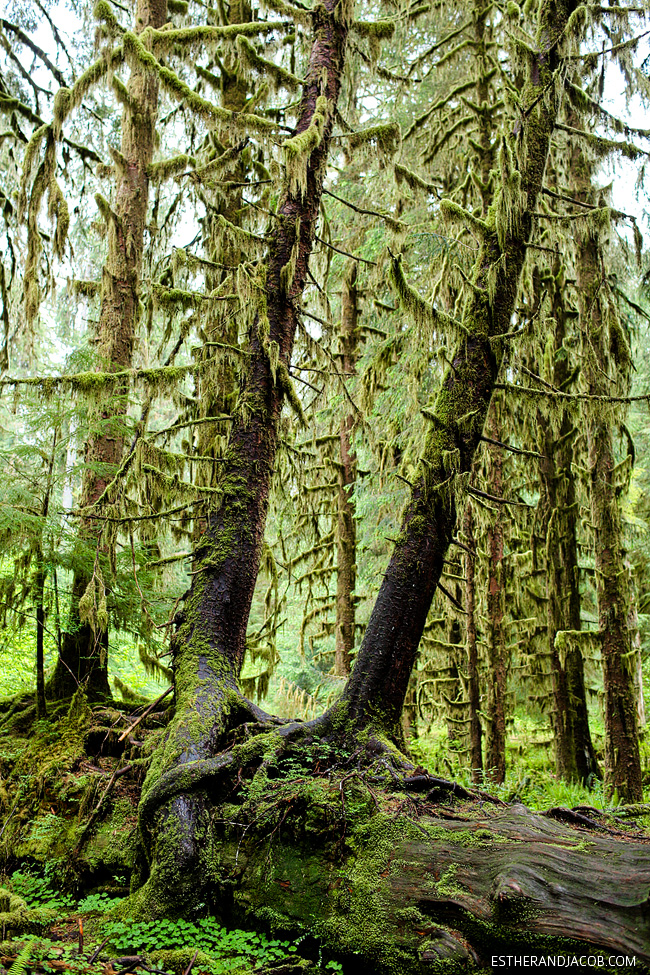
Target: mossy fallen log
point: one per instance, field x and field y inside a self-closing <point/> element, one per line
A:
<point x="404" y="896"/>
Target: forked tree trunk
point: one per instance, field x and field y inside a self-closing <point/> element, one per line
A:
<point x="175" y="814"/>
<point x="606" y="357"/>
<point x="346" y="529"/>
<point x="209" y="644"/>
<point x="83" y="656"/>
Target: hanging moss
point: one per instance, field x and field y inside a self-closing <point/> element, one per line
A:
<point x="385" y="138"/>
<point x="216" y="167"/>
<point x="68" y="98"/>
<point x="103" y="12"/>
<point x="602" y="147"/>
<point x="381" y="29"/>
<point x="455" y="211"/>
<point x="208" y="111"/>
<point x="288" y="271"/>
<point x="87" y="289"/>
<point x="108" y="214"/>
<point x="177" y="299"/>
<point x="373" y="33"/>
<point x="237" y="236"/>
<point x="298" y="149"/>
<point x="31" y="152"/>
<point x="60" y="215"/>
<point x="161" y="379"/>
<point x="92" y="605"/>
<point x="415" y="182"/>
<point x="280" y="77"/>
<point x="168" y="168"/>
<point x="298" y="15"/>
<point x="207" y="36"/>
<point x="424" y="314"/>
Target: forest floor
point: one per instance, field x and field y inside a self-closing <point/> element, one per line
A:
<point x="69" y="792"/>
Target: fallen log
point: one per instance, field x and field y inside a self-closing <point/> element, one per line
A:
<point x="404" y="896"/>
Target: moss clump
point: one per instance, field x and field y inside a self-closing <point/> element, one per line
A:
<point x="298" y="149"/>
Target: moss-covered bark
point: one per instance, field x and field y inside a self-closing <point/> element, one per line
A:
<point x="575" y="757"/>
<point x="606" y="366"/>
<point x="473" y="684"/>
<point x="346" y="533"/>
<point x="497" y="677"/>
<point x="83" y="656"/>
<point x="392" y="895"/>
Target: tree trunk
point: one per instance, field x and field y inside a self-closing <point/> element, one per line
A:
<point x="606" y="357"/>
<point x="346" y="531"/>
<point x="575" y="758"/>
<point x="39" y="599"/>
<point x="83" y="657"/>
<point x="473" y="685"/>
<point x="209" y="644"/>
<point x="379" y="680"/>
<point x="497" y="696"/>
<point x="635" y="636"/>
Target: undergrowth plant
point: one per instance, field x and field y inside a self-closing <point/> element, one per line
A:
<point x="228" y="950"/>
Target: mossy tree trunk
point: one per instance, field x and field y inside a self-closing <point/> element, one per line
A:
<point x="40" y="578"/>
<point x="497" y="677"/>
<point x="83" y="656"/>
<point x="473" y="683"/>
<point x="606" y="367"/>
<point x="346" y="533"/>
<point x="217" y="386"/>
<point x="380" y="677"/>
<point x="575" y="757"/>
<point x="209" y="644"/>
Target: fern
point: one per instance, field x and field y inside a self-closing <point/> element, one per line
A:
<point x="21" y="964"/>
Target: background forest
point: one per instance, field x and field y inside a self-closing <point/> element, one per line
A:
<point x="240" y="293"/>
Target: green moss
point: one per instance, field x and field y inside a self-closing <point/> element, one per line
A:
<point x="464" y="837"/>
<point x="280" y="77"/>
<point x="298" y="149"/>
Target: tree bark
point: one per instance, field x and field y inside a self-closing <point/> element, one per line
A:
<point x="346" y="531"/>
<point x="606" y="357"/>
<point x="380" y="677"/>
<point x="575" y="758"/>
<point x="497" y="696"/>
<point x="473" y="684"/>
<point x="83" y="657"/>
<point x="39" y="599"/>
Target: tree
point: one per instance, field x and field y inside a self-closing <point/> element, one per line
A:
<point x="83" y="657"/>
<point x="607" y="354"/>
